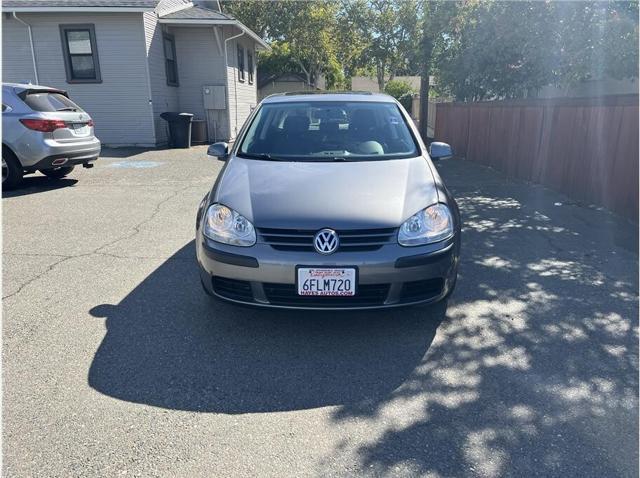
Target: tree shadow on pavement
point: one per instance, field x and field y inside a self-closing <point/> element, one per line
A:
<point x="532" y="373"/>
<point x="535" y="370"/>
<point x="170" y="345"/>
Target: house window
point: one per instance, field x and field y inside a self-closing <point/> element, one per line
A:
<point x="240" y="63"/>
<point x="170" y="63"/>
<point x="80" y="53"/>
<point x="250" y="67"/>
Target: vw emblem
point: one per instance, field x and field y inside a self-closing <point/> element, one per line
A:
<point x="326" y="241"/>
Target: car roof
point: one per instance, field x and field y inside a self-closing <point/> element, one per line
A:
<point x="18" y="87"/>
<point x="339" y="96"/>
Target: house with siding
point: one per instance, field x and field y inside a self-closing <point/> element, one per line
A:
<point x="127" y="61"/>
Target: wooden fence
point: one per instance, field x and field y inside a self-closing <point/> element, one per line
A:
<point x="586" y="148"/>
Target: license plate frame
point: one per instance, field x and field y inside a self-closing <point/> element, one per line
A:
<point x="81" y="129"/>
<point x="354" y="276"/>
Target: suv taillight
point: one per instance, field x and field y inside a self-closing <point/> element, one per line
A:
<point x="90" y="123"/>
<point x="44" y="125"/>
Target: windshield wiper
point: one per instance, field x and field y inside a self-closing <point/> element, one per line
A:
<point x="263" y="156"/>
<point x="67" y="108"/>
<point x="327" y="159"/>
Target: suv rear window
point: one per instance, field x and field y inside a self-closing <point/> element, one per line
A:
<point x="50" y="102"/>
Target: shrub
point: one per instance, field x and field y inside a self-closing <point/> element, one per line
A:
<point x="401" y="91"/>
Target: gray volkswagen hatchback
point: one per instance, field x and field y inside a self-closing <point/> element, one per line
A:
<point x="328" y="201"/>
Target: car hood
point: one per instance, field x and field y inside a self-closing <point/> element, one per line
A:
<point x="340" y="195"/>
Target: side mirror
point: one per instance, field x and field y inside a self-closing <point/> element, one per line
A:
<point x="219" y="150"/>
<point x="439" y="150"/>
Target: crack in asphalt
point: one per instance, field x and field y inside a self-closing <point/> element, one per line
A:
<point x="38" y="276"/>
<point x="135" y="230"/>
<point x="137" y="227"/>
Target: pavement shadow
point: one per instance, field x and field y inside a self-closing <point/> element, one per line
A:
<point x="169" y="345"/>
<point x="535" y="370"/>
<point x="38" y="184"/>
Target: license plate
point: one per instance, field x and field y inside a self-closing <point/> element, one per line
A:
<point x="326" y="281"/>
<point x="80" y="128"/>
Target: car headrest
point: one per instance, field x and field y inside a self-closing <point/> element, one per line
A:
<point x="362" y="120"/>
<point x="329" y="126"/>
<point x="296" y="124"/>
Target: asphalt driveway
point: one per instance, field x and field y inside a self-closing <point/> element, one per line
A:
<point x="115" y="362"/>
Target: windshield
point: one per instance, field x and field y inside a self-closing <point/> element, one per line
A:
<point x="312" y="131"/>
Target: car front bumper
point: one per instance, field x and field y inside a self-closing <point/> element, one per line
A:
<point x="389" y="277"/>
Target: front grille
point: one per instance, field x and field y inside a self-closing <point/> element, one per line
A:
<point x="350" y="240"/>
<point x="421" y="290"/>
<point x="367" y="295"/>
<point x="233" y="289"/>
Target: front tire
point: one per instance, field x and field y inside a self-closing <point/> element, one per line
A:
<point x="58" y="173"/>
<point x="11" y="169"/>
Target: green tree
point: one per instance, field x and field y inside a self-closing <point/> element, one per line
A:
<point x="401" y="91"/>
<point x="388" y="33"/>
<point x="596" y="39"/>
<point x="303" y="34"/>
<point x="498" y="49"/>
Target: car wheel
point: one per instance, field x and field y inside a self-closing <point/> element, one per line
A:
<point x="58" y="173"/>
<point x="11" y="170"/>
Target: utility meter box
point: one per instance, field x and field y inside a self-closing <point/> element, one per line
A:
<point x="214" y="97"/>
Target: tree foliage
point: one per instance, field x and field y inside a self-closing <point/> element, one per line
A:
<point x="388" y="33"/>
<point x="506" y="49"/>
<point x="401" y="91"/>
<point x="477" y="49"/>
<point x="303" y="33"/>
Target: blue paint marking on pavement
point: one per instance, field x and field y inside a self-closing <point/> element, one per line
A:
<point x="135" y="164"/>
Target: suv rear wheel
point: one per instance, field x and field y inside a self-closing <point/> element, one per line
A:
<point x="58" y="173"/>
<point x="11" y="169"/>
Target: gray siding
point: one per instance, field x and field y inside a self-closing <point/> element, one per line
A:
<point x="200" y="63"/>
<point x="17" y="65"/>
<point x="242" y="94"/>
<point x="120" y="105"/>
<point x="165" y="97"/>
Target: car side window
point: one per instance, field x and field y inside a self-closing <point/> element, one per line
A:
<point x="5" y="108"/>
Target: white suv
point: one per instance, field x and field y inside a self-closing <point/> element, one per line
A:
<point x="43" y="130"/>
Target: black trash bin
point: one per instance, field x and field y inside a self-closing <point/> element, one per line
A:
<point x="179" y="128"/>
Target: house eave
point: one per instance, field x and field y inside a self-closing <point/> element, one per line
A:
<point x="77" y="9"/>
<point x="206" y="22"/>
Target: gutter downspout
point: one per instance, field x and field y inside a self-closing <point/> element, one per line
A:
<point x="33" y="52"/>
<point x="235" y="83"/>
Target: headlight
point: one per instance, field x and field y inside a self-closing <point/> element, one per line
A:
<point x="432" y="224"/>
<point x="227" y="226"/>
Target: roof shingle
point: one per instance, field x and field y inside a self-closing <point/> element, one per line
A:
<point x="197" y="13"/>
<point x="79" y="3"/>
